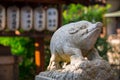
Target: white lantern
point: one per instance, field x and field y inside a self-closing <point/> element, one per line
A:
<point x="39" y="19"/>
<point x="52" y="19"/>
<point x="2" y="17"/>
<point x="13" y="18"/>
<point x="26" y="18"/>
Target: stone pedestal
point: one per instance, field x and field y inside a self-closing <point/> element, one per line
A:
<point x="39" y="77"/>
<point x="88" y="70"/>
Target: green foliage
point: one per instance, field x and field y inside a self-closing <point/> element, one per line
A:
<point x="27" y="66"/>
<point x="47" y="56"/>
<point x="78" y="12"/>
<point x="24" y="48"/>
<point x="72" y="13"/>
<point x="102" y="46"/>
<point x="18" y="44"/>
<point x="27" y="69"/>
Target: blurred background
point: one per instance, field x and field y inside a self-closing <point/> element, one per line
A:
<point x="26" y="27"/>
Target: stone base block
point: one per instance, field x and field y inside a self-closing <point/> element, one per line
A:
<point x="38" y="77"/>
<point x="88" y="70"/>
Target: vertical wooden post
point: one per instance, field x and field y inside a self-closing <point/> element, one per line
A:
<point x="16" y="68"/>
<point x="59" y="15"/>
<point x="39" y="54"/>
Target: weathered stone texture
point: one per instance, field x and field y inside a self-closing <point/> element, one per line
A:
<point x="73" y="45"/>
<point x="88" y="70"/>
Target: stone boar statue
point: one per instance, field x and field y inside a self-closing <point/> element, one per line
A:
<point x="73" y="42"/>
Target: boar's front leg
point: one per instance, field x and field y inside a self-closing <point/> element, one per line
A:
<point x="54" y="62"/>
<point x="75" y="54"/>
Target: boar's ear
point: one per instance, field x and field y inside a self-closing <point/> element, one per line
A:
<point x="74" y="30"/>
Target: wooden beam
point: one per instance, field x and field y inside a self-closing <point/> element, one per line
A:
<point x="39" y="54"/>
<point x="59" y="15"/>
<point x="37" y="1"/>
<point x="25" y="34"/>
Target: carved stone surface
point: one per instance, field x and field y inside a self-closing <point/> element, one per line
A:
<point x="73" y="56"/>
<point x="72" y="42"/>
<point x="89" y="70"/>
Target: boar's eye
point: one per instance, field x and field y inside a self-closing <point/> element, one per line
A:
<point x="83" y="26"/>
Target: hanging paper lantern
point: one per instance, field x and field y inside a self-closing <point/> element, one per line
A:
<point x="52" y="19"/>
<point x="39" y="19"/>
<point x="26" y="18"/>
<point x="2" y="17"/>
<point x="13" y="18"/>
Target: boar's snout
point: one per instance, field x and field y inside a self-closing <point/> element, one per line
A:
<point x="99" y="24"/>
